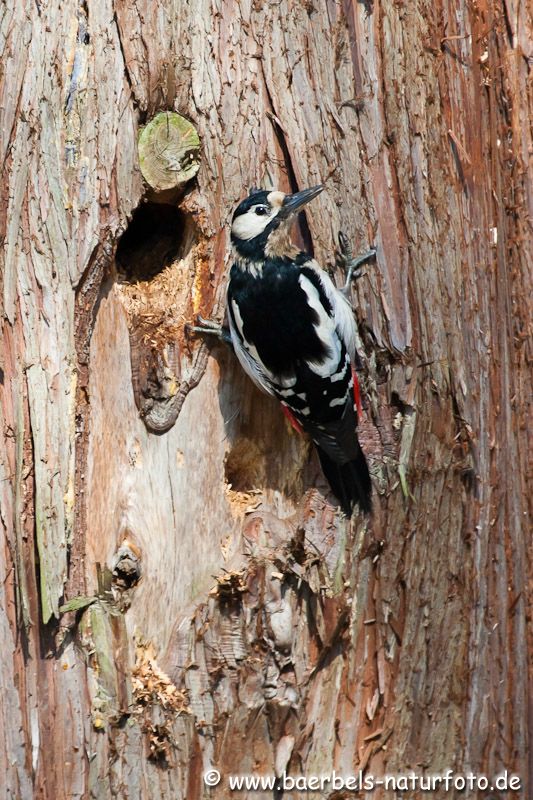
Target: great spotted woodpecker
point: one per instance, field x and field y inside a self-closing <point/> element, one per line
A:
<point x="294" y="334"/>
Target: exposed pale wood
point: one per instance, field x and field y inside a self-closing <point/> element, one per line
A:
<point x="168" y="151"/>
<point x="299" y="641"/>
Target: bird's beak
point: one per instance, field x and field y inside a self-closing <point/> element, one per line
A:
<point x="294" y="202"/>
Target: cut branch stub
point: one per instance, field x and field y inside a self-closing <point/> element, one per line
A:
<point x="168" y="151"/>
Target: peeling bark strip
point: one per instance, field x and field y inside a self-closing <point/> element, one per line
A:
<point x="315" y="647"/>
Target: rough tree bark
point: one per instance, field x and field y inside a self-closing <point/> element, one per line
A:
<point x="393" y="643"/>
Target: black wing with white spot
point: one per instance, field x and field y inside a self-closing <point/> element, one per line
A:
<point x="294" y="334"/>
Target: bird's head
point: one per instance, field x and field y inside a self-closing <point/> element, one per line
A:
<point x="261" y="223"/>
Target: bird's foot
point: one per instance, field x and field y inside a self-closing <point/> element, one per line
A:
<point x="350" y="263"/>
<point x="209" y="326"/>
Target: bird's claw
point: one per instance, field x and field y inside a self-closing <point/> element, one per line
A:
<point x="209" y="326"/>
<point x="350" y="263"/>
<point x="344" y="252"/>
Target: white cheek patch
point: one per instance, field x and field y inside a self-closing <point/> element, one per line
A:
<point x="248" y="226"/>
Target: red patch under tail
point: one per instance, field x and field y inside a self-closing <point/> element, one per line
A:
<point x="292" y="419"/>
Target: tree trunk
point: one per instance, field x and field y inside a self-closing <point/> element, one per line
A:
<point x="178" y="591"/>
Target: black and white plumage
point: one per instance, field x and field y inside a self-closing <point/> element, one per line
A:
<point x="294" y="334"/>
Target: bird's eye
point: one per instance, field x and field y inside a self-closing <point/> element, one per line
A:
<point x="261" y="211"/>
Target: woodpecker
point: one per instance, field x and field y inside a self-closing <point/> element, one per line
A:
<point x="294" y="334"/>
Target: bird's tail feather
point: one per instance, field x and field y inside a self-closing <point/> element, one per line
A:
<point x="350" y="482"/>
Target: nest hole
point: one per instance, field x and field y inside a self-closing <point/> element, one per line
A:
<point x="157" y="235"/>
